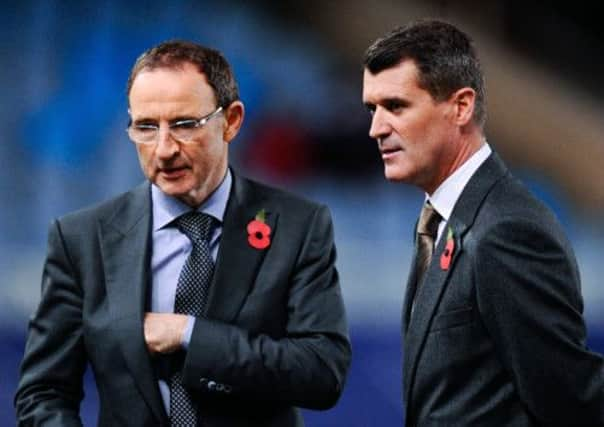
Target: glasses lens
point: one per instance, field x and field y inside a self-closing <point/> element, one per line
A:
<point x="184" y="130"/>
<point x="142" y="134"/>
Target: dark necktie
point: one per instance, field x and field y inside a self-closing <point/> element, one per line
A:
<point x="191" y="296"/>
<point x="427" y="228"/>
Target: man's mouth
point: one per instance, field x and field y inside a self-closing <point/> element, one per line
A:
<point x="173" y="172"/>
<point x="389" y="152"/>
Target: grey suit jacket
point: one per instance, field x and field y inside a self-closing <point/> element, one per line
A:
<point x="274" y="336"/>
<point x="497" y="337"/>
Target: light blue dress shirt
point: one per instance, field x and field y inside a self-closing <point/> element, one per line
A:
<point x="171" y="249"/>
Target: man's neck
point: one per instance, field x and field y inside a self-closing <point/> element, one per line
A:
<point x="468" y="144"/>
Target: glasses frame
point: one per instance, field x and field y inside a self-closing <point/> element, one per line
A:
<point x="198" y="123"/>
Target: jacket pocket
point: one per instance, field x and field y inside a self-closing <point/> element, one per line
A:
<point x="452" y="318"/>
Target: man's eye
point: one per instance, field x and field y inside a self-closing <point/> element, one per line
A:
<point x="393" y="106"/>
<point x="185" y="124"/>
<point x="146" y="128"/>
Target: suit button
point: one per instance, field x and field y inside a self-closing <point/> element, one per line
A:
<point x="211" y="385"/>
<point x="203" y="380"/>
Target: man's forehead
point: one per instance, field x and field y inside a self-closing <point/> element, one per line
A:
<point x="164" y="83"/>
<point x="169" y="94"/>
<point x="392" y="81"/>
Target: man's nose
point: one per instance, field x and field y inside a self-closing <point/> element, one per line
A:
<point x="379" y="125"/>
<point x="167" y="146"/>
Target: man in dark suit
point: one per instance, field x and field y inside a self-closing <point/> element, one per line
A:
<point x="492" y="318"/>
<point x="198" y="298"/>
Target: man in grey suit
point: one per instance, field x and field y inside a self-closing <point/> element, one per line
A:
<point x="492" y="320"/>
<point x="198" y="298"/>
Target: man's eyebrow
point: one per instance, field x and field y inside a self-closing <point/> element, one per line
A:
<point x="394" y="100"/>
<point x="172" y="120"/>
<point x="144" y="122"/>
<point x="182" y="118"/>
<point x="144" y="119"/>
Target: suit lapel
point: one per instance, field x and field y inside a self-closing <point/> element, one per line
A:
<point x="427" y="300"/>
<point x="411" y="285"/>
<point x="436" y="278"/>
<point x="125" y="244"/>
<point x="238" y="262"/>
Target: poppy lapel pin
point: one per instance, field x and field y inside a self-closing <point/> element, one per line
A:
<point x="259" y="231"/>
<point x="447" y="255"/>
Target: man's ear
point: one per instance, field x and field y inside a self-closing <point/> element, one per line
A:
<point x="234" y="119"/>
<point x="463" y="101"/>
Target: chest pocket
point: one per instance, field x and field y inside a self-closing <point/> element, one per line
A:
<point x="452" y="318"/>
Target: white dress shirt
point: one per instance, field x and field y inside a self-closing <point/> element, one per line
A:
<point x="446" y="195"/>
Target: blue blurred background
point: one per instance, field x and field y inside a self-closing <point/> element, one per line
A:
<point x="64" y="65"/>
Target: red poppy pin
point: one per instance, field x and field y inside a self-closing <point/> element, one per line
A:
<point x="259" y="231"/>
<point x="447" y="255"/>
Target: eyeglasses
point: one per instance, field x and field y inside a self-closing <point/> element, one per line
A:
<point x="183" y="131"/>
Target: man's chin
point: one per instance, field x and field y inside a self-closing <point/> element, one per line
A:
<point x="184" y="193"/>
<point x="173" y="189"/>
<point x="394" y="175"/>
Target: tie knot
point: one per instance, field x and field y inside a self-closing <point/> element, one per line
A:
<point x="428" y="221"/>
<point x="195" y="225"/>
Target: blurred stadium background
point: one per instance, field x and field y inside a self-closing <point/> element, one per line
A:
<point x="63" y="113"/>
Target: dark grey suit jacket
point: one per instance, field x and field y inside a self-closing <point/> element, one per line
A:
<point x="275" y="336"/>
<point x="498" y="338"/>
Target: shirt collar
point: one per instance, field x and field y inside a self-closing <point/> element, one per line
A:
<point x="167" y="208"/>
<point x="446" y="195"/>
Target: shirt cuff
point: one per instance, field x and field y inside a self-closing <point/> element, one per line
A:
<point x="186" y="337"/>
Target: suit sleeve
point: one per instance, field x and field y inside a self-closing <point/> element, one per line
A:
<point x="307" y="366"/>
<point x="530" y="300"/>
<point x="50" y="385"/>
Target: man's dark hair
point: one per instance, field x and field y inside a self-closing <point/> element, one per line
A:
<point x="175" y="53"/>
<point x="444" y="55"/>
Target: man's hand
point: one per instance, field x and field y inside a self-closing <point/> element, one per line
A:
<point x="164" y="331"/>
